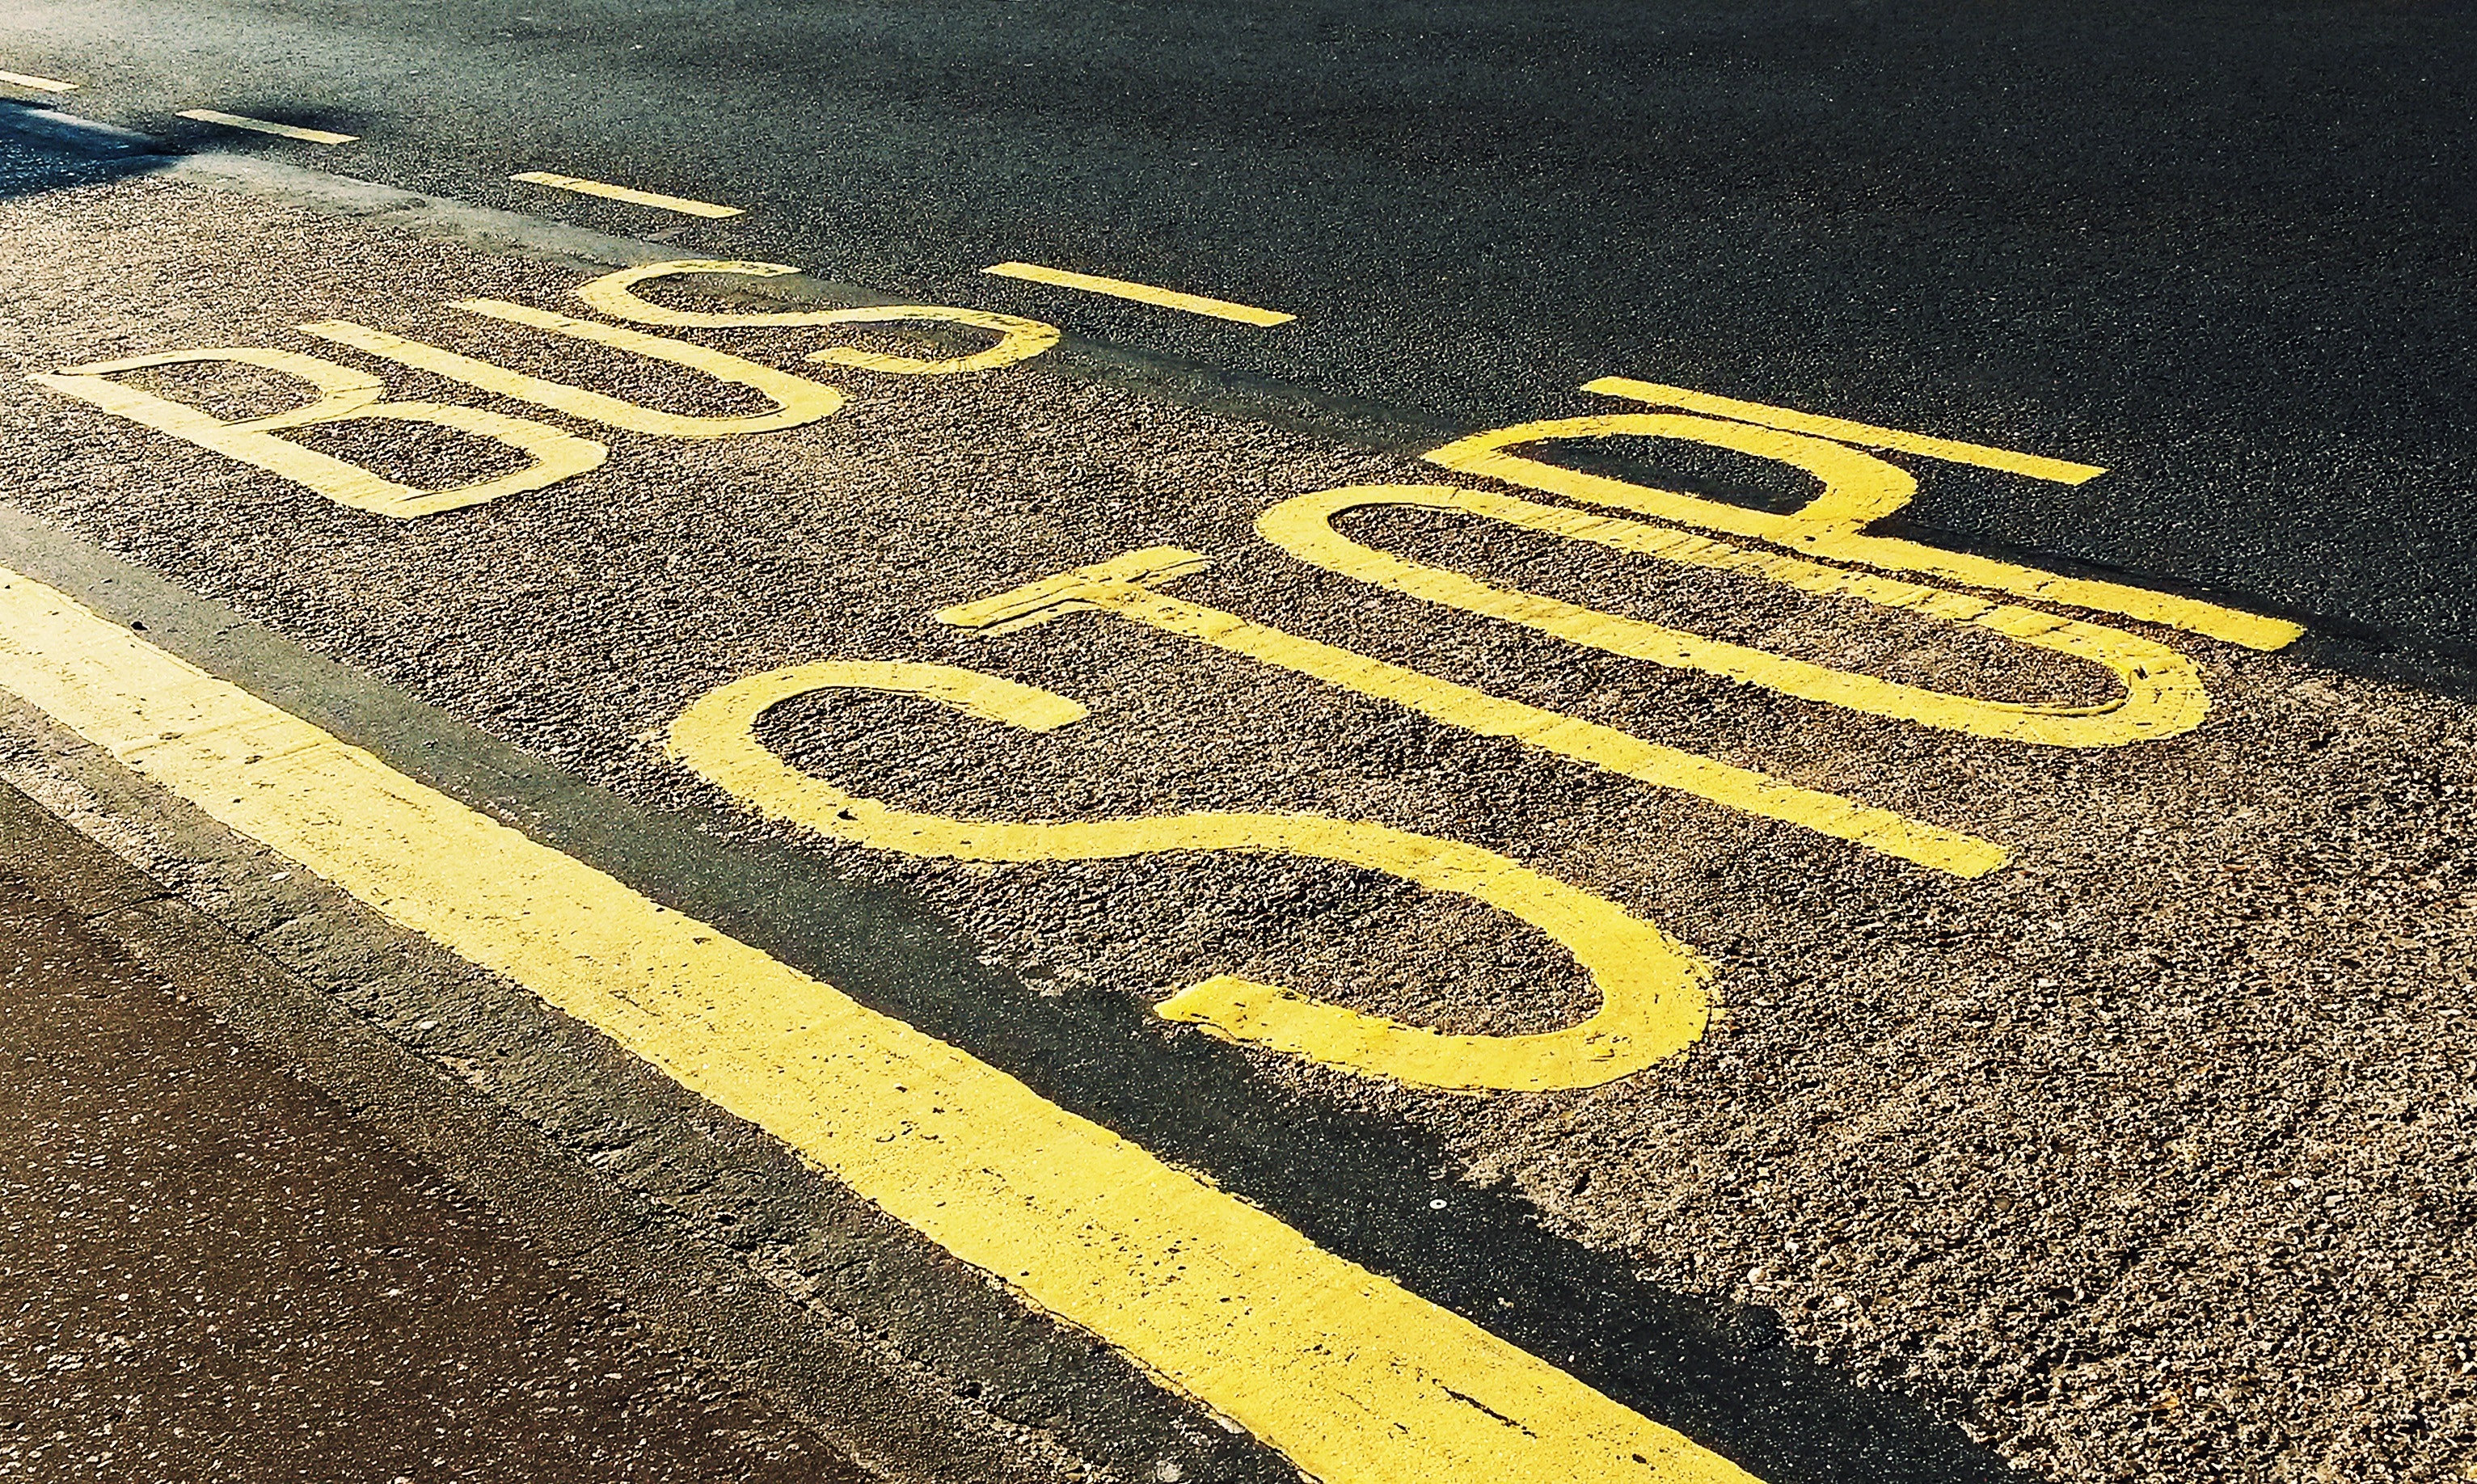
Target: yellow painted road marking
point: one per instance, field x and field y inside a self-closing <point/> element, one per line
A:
<point x="38" y="84"/>
<point x="344" y="394"/>
<point x="1141" y="293"/>
<point x="1356" y="1380"/>
<point x="797" y="400"/>
<point x="1858" y="489"/>
<point x="1019" y="338"/>
<point x="1123" y="585"/>
<point x="610" y="193"/>
<point x="2160" y="695"/>
<point x="1841" y="430"/>
<point x="264" y="126"/>
<point x="1652" y="1004"/>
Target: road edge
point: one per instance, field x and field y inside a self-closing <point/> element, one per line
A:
<point x="886" y="1422"/>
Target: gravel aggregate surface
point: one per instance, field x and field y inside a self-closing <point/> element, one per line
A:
<point x="2151" y="1155"/>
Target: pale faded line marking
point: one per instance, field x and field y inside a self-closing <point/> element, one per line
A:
<point x="1141" y="293"/>
<point x="610" y="192"/>
<point x="38" y="84"/>
<point x="1353" y="1378"/>
<point x="264" y="126"/>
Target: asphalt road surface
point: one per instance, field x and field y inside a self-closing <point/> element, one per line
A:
<point x="2220" y="249"/>
<point x="1224" y="870"/>
<point x="308" y="1304"/>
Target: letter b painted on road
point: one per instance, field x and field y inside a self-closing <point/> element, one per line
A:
<point x="344" y="394"/>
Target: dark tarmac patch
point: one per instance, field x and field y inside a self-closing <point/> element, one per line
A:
<point x="210" y="1270"/>
<point x="41" y="150"/>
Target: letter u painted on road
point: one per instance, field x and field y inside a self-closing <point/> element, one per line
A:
<point x="1651" y="987"/>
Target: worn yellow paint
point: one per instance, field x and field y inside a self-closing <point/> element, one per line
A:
<point x="610" y="192"/>
<point x="1019" y="338"/>
<point x="1354" y="1379"/>
<point x="1125" y="585"/>
<point x="1840" y="430"/>
<point x="266" y="126"/>
<point x="2160" y="693"/>
<point x="796" y="399"/>
<point x="38" y="83"/>
<point x="345" y="394"/>
<point x="1141" y="293"/>
<point x="1858" y="489"/>
<point x="1652" y="1001"/>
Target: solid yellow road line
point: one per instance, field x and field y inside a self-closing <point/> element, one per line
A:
<point x="610" y="192"/>
<point x="1840" y="430"/>
<point x="1141" y="293"/>
<point x="1356" y="1380"/>
<point x="262" y="126"/>
<point x="38" y="84"/>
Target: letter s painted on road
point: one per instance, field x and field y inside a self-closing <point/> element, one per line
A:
<point x="1652" y="1003"/>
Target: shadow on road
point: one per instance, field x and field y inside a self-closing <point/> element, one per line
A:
<point x="41" y="150"/>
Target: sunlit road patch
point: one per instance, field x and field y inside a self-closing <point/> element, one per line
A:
<point x="2041" y="992"/>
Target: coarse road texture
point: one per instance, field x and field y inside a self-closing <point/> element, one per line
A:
<point x="2220" y="247"/>
<point x="209" y="1271"/>
<point x="2123" y="1128"/>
